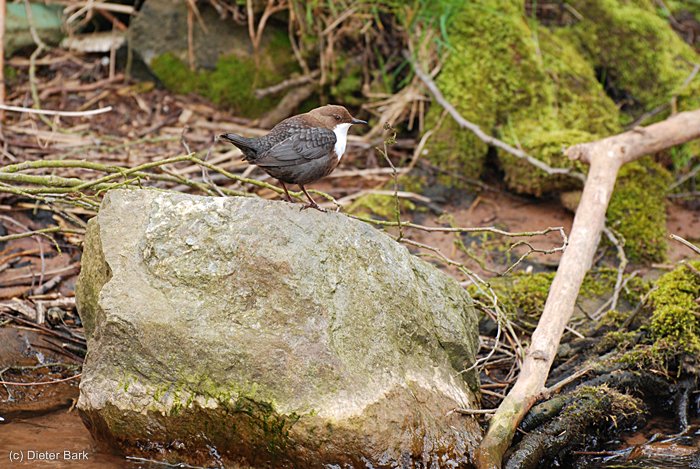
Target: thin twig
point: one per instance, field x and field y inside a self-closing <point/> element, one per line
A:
<point x="190" y="34"/>
<point x="288" y="83"/>
<point x="475" y="411"/>
<point x="41" y="383"/>
<point x="27" y="234"/>
<point x="568" y="380"/>
<point x="620" y="246"/>
<point x="48" y="112"/>
<point x="390" y="140"/>
<point x="685" y="243"/>
<point x="40" y="46"/>
<point x="691" y="174"/>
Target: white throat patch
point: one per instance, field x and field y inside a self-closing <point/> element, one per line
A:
<point x="341" y="135"/>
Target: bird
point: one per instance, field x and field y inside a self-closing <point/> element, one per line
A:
<point x="300" y="149"/>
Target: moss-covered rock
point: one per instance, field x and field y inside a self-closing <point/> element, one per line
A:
<point x="637" y="210"/>
<point x="671" y="330"/>
<point x="234" y="80"/>
<point x="587" y="414"/>
<point x="576" y="110"/>
<point x="381" y="205"/>
<point x="227" y="69"/>
<point x="644" y="62"/>
<point x="523" y="177"/>
<point x="491" y="72"/>
<point x="523" y="83"/>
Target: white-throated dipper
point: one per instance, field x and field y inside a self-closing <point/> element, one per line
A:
<point x="300" y="149"/>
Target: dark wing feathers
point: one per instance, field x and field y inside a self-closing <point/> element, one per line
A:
<point x="300" y="144"/>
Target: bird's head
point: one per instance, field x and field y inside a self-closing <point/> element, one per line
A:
<point x="332" y="116"/>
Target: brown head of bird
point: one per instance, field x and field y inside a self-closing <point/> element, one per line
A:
<point x="301" y="149"/>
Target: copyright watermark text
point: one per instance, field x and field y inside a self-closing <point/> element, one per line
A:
<point x="28" y="455"/>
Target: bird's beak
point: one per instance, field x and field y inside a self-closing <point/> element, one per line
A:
<point x="357" y="121"/>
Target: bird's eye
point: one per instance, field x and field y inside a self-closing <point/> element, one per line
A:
<point x="337" y="117"/>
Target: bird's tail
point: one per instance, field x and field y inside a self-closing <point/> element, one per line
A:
<point x="248" y="146"/>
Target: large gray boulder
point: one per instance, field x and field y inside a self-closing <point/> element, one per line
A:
<point x="275" y="336"/>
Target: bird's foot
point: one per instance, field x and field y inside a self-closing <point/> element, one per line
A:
<point x="313" y="205"/>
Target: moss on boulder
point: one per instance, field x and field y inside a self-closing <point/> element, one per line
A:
<point x="523" y="83"/>
<point x="537" y="89"/>
<point x="641" y="57"/>
<point x="491" y="72"/>
<point x="643" y="62"/>
<point x="576" y="110"/>
<point x="381" y="205"/>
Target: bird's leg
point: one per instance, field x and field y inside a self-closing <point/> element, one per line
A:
<point x="289" y="198"/>
<point x="312" y="203"/>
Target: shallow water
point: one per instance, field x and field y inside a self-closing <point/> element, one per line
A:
<point x="656" y="446"/>
<point x="55" y="440"/>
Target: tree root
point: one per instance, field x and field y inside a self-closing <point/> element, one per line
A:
<point x="605" y="404"/>
<point x="587" y="411"/>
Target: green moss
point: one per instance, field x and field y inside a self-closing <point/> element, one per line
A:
<point x="637" y="210"/>
<point x="413" y="182"/>
<point x="175" y="75"/>
<point x="540" y="94"/>
<point x="615" y="319"/>
<point x="255" y="416"/>
<point x="641" y="57"/>
<point x="384" y="206"/>
<point x="234" y="80"/>
<point x="522" y="296"/>
<point x="672" y="330"/>
<point x="347" y="80"/>
<point x="575" y="110"/>
<point x="600" y="404"/>
<point x="11" y="75"/>
<point x="675" y="308"/>
<point x="491" y="72"/>
<point x="523" y="177"/>
<point x="618" y="340"/>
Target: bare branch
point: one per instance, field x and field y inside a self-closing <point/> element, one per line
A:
<point x="290" y="82"/>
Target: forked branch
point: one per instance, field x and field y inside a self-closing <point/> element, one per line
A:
<point x="605" y="158"/>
